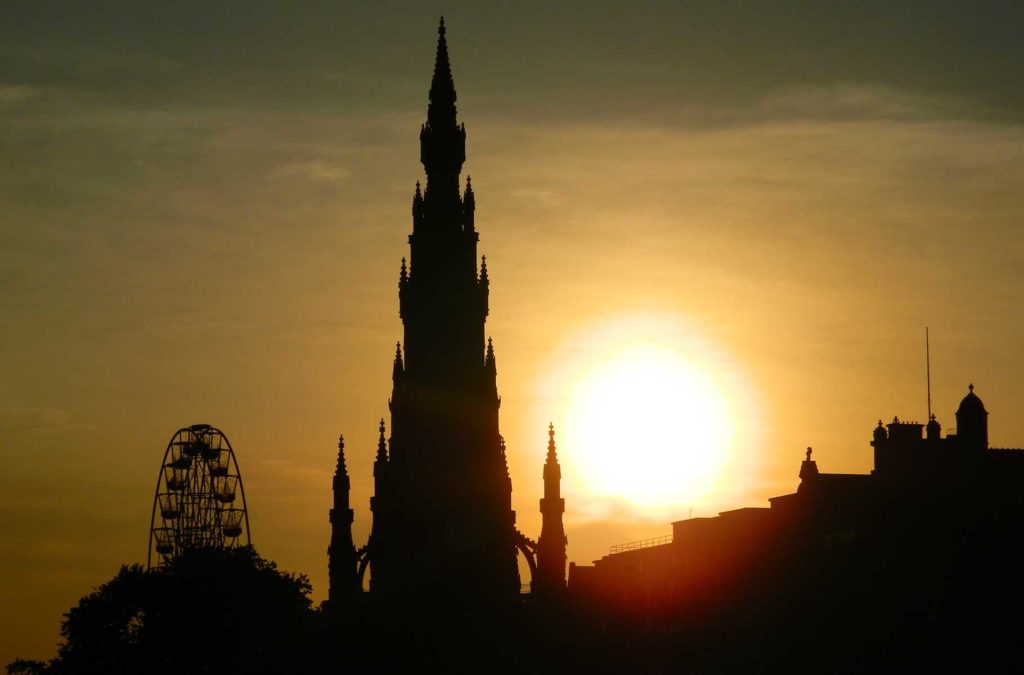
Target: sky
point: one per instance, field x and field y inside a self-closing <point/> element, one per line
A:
<point x="203" y="207"/>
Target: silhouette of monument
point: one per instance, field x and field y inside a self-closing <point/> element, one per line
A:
<point x="442" y="507"/>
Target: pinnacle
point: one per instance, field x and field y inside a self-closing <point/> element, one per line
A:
<point x="341" y="456"/>
<point x="552" y="455"/>
<point x="442" y="87"/>
<point x="382" y="448"/>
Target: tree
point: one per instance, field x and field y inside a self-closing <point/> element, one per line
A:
<point x="212" y="610"/>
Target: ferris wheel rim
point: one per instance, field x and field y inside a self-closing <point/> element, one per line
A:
<point x="199" y="496"/>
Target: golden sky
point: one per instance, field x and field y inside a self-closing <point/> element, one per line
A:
<point x="203" y="210"/>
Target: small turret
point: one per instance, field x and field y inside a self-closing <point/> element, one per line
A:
<point x="343" y="580"/>
<point x="552" y="543"/>
<point x="880" y="434"/>
<point x="933" y="430"/>
<point x="972" y="422"/>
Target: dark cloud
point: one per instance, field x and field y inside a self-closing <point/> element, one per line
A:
<point x="605" y="58"/>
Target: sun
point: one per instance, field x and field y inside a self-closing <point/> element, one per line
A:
<point x="649" y="427"/>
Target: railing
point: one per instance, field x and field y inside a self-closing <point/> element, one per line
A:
<point x="643" y="543"/>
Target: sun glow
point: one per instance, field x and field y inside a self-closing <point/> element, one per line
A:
<point x="652" y="428"/>
<point x="653" y="420"/>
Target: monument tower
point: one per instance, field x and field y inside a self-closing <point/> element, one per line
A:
<point x="442" y="508"/>
<point x="443" y="522"/>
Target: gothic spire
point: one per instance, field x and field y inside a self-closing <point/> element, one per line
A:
<point x="399" y="368"/>
<point x="341" y="469"/>
<point x="552" y="471"/>
<point x="442" y="149"/>
<point x="552" y="455"/>
<point x="484" y="279"/>
<point x="442" y="87"/>
<point x="382" y="444"/>
<point x="489" y="358"/>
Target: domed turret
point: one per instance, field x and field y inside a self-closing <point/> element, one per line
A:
<point x="972" y="422"/>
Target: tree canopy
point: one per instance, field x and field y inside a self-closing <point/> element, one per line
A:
<point x="213" y="610"/>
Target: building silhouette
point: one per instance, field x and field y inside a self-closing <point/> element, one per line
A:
<point x="915" y="560"/>
<point x="850" y="573"/>
<point x="443" y="521"/>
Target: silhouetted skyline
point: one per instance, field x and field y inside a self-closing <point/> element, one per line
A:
<point x="202" y="210"/>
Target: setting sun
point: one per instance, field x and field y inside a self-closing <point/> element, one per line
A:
<point x="653" y="428"/>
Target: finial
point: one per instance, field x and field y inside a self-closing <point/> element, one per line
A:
<point x="382" y="428"/>
<point x="440" y="28"/>
<point x="808" y="453"/>
<point x="970" y="388"/>
<point x="403" y="276"/>
<point x="419" y="194"/>
<point x="483" y="268"/>
<point x="469" y="183"/>
<point x="552" y="455"/>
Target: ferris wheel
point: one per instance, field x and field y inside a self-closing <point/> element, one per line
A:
<point x="200" y="501"/>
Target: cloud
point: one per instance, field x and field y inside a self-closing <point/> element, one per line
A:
<point x="317" y="170"/>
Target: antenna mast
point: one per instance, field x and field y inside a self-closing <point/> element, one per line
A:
<point x="928" y="370"/>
